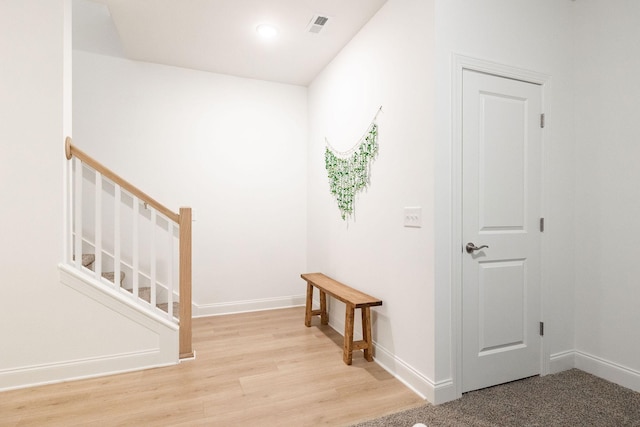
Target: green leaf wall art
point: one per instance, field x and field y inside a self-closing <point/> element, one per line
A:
<point x="349" y="171"/>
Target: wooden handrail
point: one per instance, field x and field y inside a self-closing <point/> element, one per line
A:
<point x="71" y="150"/>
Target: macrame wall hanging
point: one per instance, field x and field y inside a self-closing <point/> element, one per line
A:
<point x="349" y="170"/>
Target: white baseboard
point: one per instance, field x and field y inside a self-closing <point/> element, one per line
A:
<point x="597" y="366"/>
<point x="434" y="392"/>
<point x="562" y="361"/>
<point x="80" y="369"/>
<point x="217" y="309"/>
<point x="608" y="370"/>
<point x="445" y="391"/>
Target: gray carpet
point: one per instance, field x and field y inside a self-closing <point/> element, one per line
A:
<point x="570" y="398"/>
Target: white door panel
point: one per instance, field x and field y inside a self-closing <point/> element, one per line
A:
<point x="501" y="149"/>
<point x="501" y="163"/>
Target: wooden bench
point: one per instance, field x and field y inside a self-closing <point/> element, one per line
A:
<point x="353" y="299"/>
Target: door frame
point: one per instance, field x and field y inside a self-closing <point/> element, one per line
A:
<point x="459" y="64"/>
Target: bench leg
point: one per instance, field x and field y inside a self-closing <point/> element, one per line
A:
<point x="307" y="314"/>
<point x="324" y="317"/>
<point x="348" y="334"/>
<point x="366" y="333"/>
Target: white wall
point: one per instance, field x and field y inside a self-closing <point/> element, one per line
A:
<point x="233" y="149"/>
<point x="388" y="64"/>
<point x="608" y="196"/>
<point x="49" y="332"/>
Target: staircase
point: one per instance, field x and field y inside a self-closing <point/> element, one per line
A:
<point x="129" y="245"/>
<point x="144" y="292"/>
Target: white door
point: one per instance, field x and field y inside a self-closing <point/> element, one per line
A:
<point x="501" y="168"/>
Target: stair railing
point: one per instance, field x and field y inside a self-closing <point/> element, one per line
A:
<point x="178" y="225"/>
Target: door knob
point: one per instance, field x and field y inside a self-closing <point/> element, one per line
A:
<point x="471" y="247"/>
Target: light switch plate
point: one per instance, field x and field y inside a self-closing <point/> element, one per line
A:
<point x="413" y="217"/>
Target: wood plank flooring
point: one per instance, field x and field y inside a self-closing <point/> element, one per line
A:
<point x="263" y="368"/>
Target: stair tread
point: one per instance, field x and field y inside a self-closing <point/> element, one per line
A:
<point x="165" y="307"/>
<point x="110" y="275"/>
<point x="88" y="259"/>
<point x="144" y="293"/>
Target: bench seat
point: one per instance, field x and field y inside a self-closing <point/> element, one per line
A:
<point x="353" y="299"/>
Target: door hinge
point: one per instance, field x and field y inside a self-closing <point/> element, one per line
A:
<point x="542" y="225"/>
<point x="541" y="329"/>
<point x="542" y="120"/>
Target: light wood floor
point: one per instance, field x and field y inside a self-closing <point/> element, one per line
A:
<point x="254" y="369"/>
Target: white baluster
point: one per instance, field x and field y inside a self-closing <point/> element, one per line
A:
<point x="77" y="245"/>
<point x="116" y="234"/>
<point x="97" y="266"/>
<point x="170" y="271"/>
<point x="69" y="254"/>
<point x="136" y="216"/>
<point x="152" y="257"/>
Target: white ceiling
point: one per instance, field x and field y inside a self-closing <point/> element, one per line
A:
<point x="219" y="35"/>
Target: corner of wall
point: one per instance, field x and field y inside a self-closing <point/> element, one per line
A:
<point x="434" y="392"/>
<point x="562" y="361"/>
<point x="608" y="370"/>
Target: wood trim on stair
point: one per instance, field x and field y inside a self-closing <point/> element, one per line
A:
<point x="186" y="350"/>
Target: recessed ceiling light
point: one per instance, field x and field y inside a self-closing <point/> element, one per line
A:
<point x="266" y="31"/>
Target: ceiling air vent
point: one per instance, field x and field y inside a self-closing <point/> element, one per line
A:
<point x="317" y="24"/>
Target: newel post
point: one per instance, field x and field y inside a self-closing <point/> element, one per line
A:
<point x="186" y="350"/>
